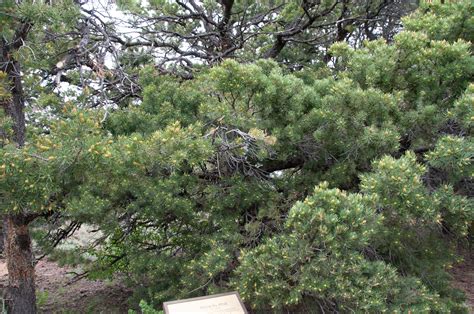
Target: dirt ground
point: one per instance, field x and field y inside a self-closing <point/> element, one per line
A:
<point x="464" y="277"/>
<point x="56" y="295"/>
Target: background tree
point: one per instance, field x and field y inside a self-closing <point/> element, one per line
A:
<point x="182" y="37"/>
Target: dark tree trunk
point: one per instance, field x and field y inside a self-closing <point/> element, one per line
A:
<point x="277" y="47"/>
<point x="15" y="106"/>
<point x="21" y="270"/>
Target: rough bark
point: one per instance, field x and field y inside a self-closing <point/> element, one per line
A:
<point x="21" y="296"/>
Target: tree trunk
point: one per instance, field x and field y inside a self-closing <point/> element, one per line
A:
<point x="21" y="296"/>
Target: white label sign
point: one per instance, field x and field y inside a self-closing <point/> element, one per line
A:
<point x="225" y="303"/>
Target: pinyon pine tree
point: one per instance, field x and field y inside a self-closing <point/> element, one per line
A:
<point x="344" y="184"/>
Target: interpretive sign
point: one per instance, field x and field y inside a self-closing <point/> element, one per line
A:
<point x="224" y="303"/>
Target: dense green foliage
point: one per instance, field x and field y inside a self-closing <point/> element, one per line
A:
<point x="341" y="188"/>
